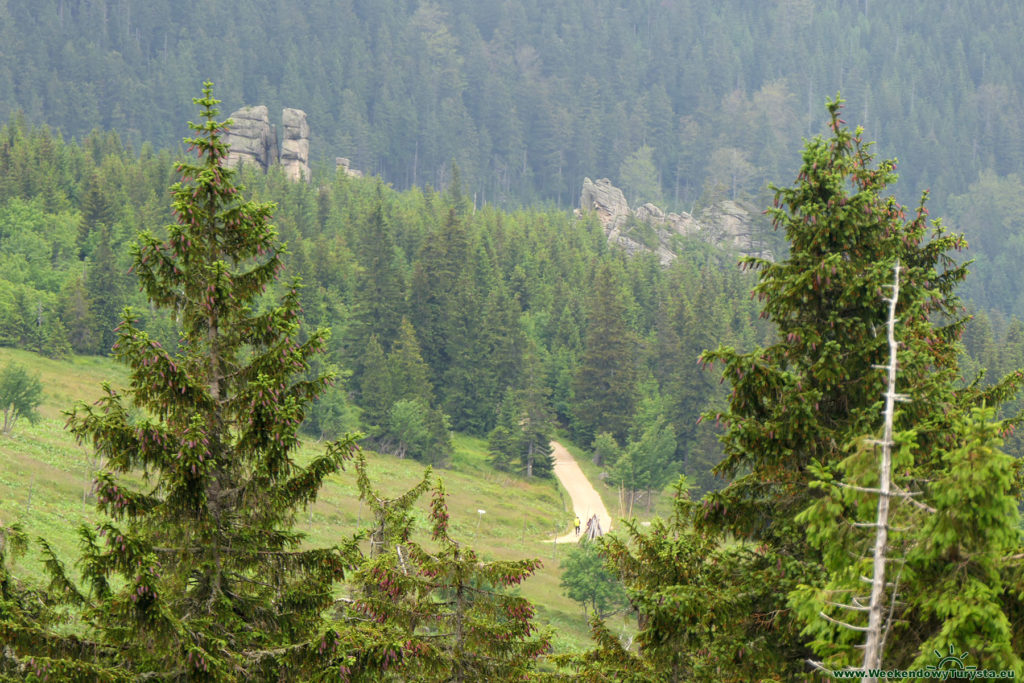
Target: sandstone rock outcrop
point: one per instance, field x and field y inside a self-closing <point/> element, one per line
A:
<point x="725" y="224"/>
<point x="606" y="200"/>
<point x="251" y="139"/>
<point x="343" y="164"/>
<point x="295" y="147"/>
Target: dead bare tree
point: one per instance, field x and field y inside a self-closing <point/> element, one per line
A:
<point x="883" y="592"/>
<point x="875" y="636"/>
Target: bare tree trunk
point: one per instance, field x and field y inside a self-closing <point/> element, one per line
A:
<point x="875" y="637"/>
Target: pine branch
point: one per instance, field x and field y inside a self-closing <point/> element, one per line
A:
<point x="857" y="608"/>
<point x="842" y="623"/>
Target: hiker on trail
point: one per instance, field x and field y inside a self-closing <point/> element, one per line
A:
<point x="577" y="525"/>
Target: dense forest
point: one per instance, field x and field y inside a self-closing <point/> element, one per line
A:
<point x="436" y="315"/>
<point x="449" y="290"/>
<point x="441" y="316"/>
<point x="530" y="97"/>
<point x="476" y="309"/>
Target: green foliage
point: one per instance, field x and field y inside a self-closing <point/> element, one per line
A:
<point x="503" y="446"/>
<point x="491" y="300"/>
<point x="797" y="404"/>
<point x="803" y="397"/>
<point x="646" y="464"/>
<point x="639" y="177"/>
<point x="333" y="414"/>
<point x="379" y="296"/>
<point x="952" y="583"/>
<point x="105" y="283"/>
<point x="991" y="213"/>
<point x="377" y="394"/>
<point x="973" y="532"/>
<point x="711" y="606"/>
<point x="605" y="385"/>
<point x="521" y="440"/>
<point x="606" y="449"/>
<point x="445" y="614"/>
<point x="586" y="580"/>
<point x="409" y="375"/>
<point x="202" y="575"/>
<point x="530" y="99"/>
<point x="418" y="431"/>
<point x="505" y="441"/>
<point x="705" y="607"/>
<point x="13" y="544"/>
<point x="20" y="395"/>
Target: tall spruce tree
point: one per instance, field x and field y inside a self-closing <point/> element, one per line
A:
<point x="605" y="385"/>
<point x="801" y="401"/>
<point x="939" y="557"/>
<point x="536" y="422"/>
<point x="379" y="296"/>
<point x="97" y="212"/>
<point x="104" y="283"/>
<point x="714" y="609"/>
<point x="198" y="574"/>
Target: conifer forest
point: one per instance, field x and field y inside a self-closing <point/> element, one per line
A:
<point x="503" y="340"/>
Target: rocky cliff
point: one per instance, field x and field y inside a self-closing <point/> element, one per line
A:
<point x="252" y="140"/>
<point x="725" y="224"/>
<point x="295" y="149"/>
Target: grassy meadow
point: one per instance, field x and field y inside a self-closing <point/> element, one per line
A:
<point x="46" y="479"/>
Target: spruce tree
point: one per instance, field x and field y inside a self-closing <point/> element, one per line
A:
<point x="410" y="376"/>
<point x="98" y="212"/>
<point x="537" y="423"/>
<point x="798" y="404"/>
<point x="104" y="283"/>
<point x="605" y="384"/>
<point x="448" y="613"/>
<point x="937" y="551"/>
<point x="505" y="441"/>
<point x="440" y="282"/>
<point x="711" y="587"/>
<point x="379" y="296"/>
<point x="20" y="395"/>
<point x="376" y="395"/>
<point x="76" y="313"/>
<point x="197" y="572"/>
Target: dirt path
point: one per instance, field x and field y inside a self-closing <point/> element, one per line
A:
<point x="585" y="500"/>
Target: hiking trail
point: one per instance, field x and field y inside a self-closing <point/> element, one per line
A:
<point x="586" y="501"/>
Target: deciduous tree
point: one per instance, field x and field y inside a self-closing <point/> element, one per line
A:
<point x="20" y="395"/>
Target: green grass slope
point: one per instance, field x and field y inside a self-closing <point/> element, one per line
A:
<point x="46" y="479"/>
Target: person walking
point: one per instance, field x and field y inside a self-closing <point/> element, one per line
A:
<point x="577" y="525"/>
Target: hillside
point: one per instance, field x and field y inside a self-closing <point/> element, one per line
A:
<point x="531" y="97"/>
<point x="266" y="322"/>
<point x="45" y="484"/>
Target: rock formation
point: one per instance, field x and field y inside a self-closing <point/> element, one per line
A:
<point x="724" y="224"/>
<point x="729" y="224"/>
<point x="343" y="164"/>
<point x="295" y="148"/>
<point x="251" y="139"/>
<point x="606" y="200"/>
